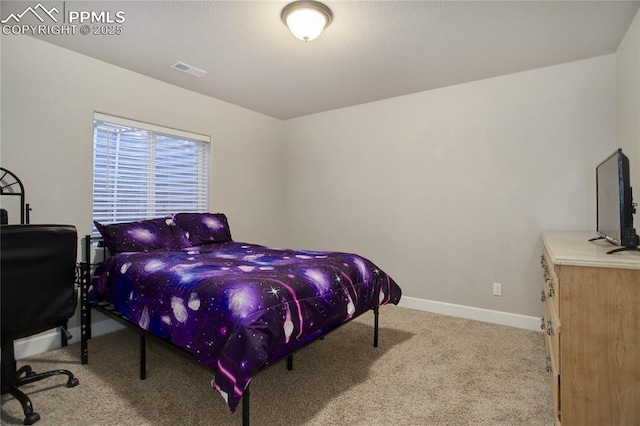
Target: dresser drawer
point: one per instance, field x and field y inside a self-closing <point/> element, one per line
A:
<point x="557" y="400"/>
<point x="554" y="376"/>
<point x="551" y="283"/>
<point x="551" y="328"/>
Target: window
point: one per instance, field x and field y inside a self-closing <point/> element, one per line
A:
<point x="142" y="171"/>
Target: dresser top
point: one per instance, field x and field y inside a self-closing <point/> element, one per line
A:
<point x="574" y="248"/>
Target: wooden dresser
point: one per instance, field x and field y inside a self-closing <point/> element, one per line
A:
<point x="592" y="329"/>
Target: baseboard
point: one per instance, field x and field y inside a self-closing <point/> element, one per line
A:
<point x="469" y="312"/>
<point x="49" y="340"/>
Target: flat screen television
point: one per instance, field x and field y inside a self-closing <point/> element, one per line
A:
<point x="615" y="207"/>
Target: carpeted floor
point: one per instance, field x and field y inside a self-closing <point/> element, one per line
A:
<point x="429" y="370"/>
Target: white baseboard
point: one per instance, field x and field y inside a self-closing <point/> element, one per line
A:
<point x="470" y="312"/>
<point x="49" y="340"/>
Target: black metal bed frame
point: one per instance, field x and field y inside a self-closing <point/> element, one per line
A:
<point x="108" y="310"/>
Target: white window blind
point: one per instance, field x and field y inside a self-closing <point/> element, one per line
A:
<point x="142" y="171"/>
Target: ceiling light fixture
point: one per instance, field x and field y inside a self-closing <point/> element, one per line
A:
<point x="306" y="19"/>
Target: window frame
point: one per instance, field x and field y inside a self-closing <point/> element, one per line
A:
<point x="202" y="164"/>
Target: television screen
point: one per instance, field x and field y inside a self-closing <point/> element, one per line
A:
<point x="609" y="198"/>
<point x="615" y="207"/>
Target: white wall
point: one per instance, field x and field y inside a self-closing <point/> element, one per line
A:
<point x="49" y="95"/>
<point x="628" y="102"/>
<point x="48" y="98"/>
<point x="448" y="190"/>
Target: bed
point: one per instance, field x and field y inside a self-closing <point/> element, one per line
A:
<point x="234" y="307"/>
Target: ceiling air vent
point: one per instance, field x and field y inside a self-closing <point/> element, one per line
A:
<point x="181" y="66"/>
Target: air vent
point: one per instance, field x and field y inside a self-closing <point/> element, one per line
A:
<point x="181" y="66"/>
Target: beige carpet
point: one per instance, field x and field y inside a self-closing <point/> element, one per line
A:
<point x="429" y="370"/>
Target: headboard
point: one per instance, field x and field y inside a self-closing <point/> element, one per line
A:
<point x="13" y="209"/>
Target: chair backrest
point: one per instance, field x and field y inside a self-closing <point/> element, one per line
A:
<point x="37" y="276"/>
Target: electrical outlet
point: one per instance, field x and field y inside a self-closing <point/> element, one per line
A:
<point x="497" y="289"/>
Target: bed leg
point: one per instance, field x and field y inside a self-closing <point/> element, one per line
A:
<point x="85" y="331"/>
<point x="85" y="309"/>
<point x="375" y="326"/>
<point x="143" y="356"/>
<point x="85" y="283"/>
<point x="84" y="350"/>
<point x="245" y="407"/>
<point x="64" y="334"/>
<point x="290" y="362"/>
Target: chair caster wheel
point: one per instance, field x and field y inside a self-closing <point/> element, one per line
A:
<point x="73" y="383"/>
<point x="31" y="418"/>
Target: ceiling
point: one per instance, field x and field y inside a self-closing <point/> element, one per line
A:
<point x="372" y="50"/>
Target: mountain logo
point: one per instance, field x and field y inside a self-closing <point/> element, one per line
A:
<point x="33" y="11"/>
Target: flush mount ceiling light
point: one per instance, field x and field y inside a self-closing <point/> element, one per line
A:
<point x="306" y="19"/>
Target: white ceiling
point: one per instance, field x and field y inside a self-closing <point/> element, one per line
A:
<point x="373" y="49"/>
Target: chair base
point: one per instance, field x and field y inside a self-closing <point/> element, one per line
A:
<point x="30" y="416"/>
<point x="26" y="375"/>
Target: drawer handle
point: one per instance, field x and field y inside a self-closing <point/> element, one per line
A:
<point x="546" y="274"/>
<point x="548" y="367"/>
<point x="550" y="330"/>
<point x="542" y="296"/>
<point x="552" y="290"/>
<point x="542" y="323"/>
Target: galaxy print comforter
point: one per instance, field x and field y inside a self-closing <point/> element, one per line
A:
<point x="238" y="306"/>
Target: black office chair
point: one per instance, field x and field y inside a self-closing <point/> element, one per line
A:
<point x="38" y="264"/>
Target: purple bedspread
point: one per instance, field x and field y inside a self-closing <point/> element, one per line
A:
<point x="239" y="306"/>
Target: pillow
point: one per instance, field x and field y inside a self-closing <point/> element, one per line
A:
<point x="204" y="228"/>
<point x="152" y="234"/>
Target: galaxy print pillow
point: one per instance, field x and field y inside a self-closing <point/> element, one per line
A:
<point x="152" y="234"/>
<point x="204" y="228"/>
